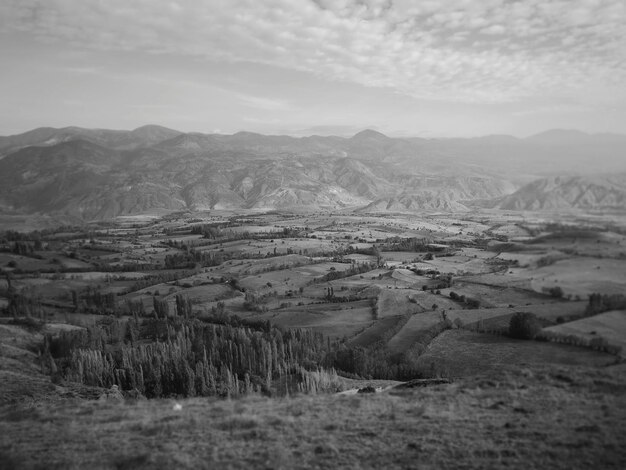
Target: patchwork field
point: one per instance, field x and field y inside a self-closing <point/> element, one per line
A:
<point x="334" y="320"/>
<point x="409" y="333"/>
<point x="610" y="326"/>
<point x="305" y="280"/>
<point x="393" y="302"/>
<point x="582" y="276"/>
<point x="457" y="353"/>
<point x="249" y="306"/>
<point x="378" y="331"/>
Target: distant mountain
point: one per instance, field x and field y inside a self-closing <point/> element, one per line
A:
<point x="329" y="130"/>
<point x="47" y="136"/>
<point x="559" y="137"/>
<point x="440" y="193"/>
<point x="97" y="174"/>
<point x="80" y="179"/>
<point x="573" y="192"/>
<point x="85" y="180"/>
<point x="369" y="135"/>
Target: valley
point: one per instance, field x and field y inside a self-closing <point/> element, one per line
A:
<point x="332" y="301"/>
<point x="145" y="272"/>
<point x="365" y="234"/>
<point x="383" y="285"/>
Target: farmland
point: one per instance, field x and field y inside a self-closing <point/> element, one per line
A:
<point x="284" y="304"/>
<point x="344" y="276"/>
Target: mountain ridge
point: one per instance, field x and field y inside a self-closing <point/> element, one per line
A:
<point x="95" y="174"/>
<point x="597" y="192"/>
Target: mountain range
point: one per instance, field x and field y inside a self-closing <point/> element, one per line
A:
<point x="567" y="192"/>
<point x="92" y="174"/>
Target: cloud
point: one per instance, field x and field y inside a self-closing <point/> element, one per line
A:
<point x="494" y="29"/>
<point x="458" y="50"/>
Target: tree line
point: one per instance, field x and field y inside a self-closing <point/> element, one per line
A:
<point x="186" y="357"/>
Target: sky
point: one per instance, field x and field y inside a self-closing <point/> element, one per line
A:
<point x="429" y="68"/>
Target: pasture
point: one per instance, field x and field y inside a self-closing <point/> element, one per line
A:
<point x="610" y="326"/>
<point x="335" y="320"/>
<point x="582" y="276"/>
<point x="459" y="353"/>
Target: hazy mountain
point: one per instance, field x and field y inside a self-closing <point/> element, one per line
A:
<point x="440" y="193"/>
<point x="47" y="136"/>
<point x="329" y="130"/>
<point x="87" y="180"/>
<point x="94" y="174"/>
<point x="559" y="137"/>
<point x="574" y="192"/>
<point x="80" y="179"/>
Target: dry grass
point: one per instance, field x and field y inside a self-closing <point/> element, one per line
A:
<point x="529" y="418"/>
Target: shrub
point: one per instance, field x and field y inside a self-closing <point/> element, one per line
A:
<point x="556" y="292"/>
<point x="524" y="325"/>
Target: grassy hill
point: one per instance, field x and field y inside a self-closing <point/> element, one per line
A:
<point x="540" y="417"/>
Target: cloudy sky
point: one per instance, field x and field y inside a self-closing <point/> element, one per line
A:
<point x="405" y="67"/>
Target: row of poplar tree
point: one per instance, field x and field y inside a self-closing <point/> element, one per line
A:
<point x="185" y="357"/>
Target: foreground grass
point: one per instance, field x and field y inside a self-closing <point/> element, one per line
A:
<point x="525" y="418"/>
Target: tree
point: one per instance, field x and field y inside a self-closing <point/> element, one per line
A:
<point x="161" y="307"/>
<point x="524" y="325"/>
<point x="379" y="258"/>
<point x="556" y="292"/>
<point x="75" y="300"/>
<point x="183" y="306"/>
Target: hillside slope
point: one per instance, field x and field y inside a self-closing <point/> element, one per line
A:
<point x="574" y="192"/>
<point x="85" y="180"/>
<point x="93" y="174"/>
<point x="117" y="139"/>
<point x="522" y="419"/>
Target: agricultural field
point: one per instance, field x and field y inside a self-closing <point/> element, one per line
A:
<point x="460" y="353"/>
<point x="333" y="320"/>
<point x="406" y="337"/>
<point x="393" y="302"/>
<point x="390" y="286"/>
<point x="582" y="276"/>
<point x="610" y="326"/>
<point x="378" y="331"/>
<point x="256" y="306"/>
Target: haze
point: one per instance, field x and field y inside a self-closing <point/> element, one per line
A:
<point x="454" y="68"/>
